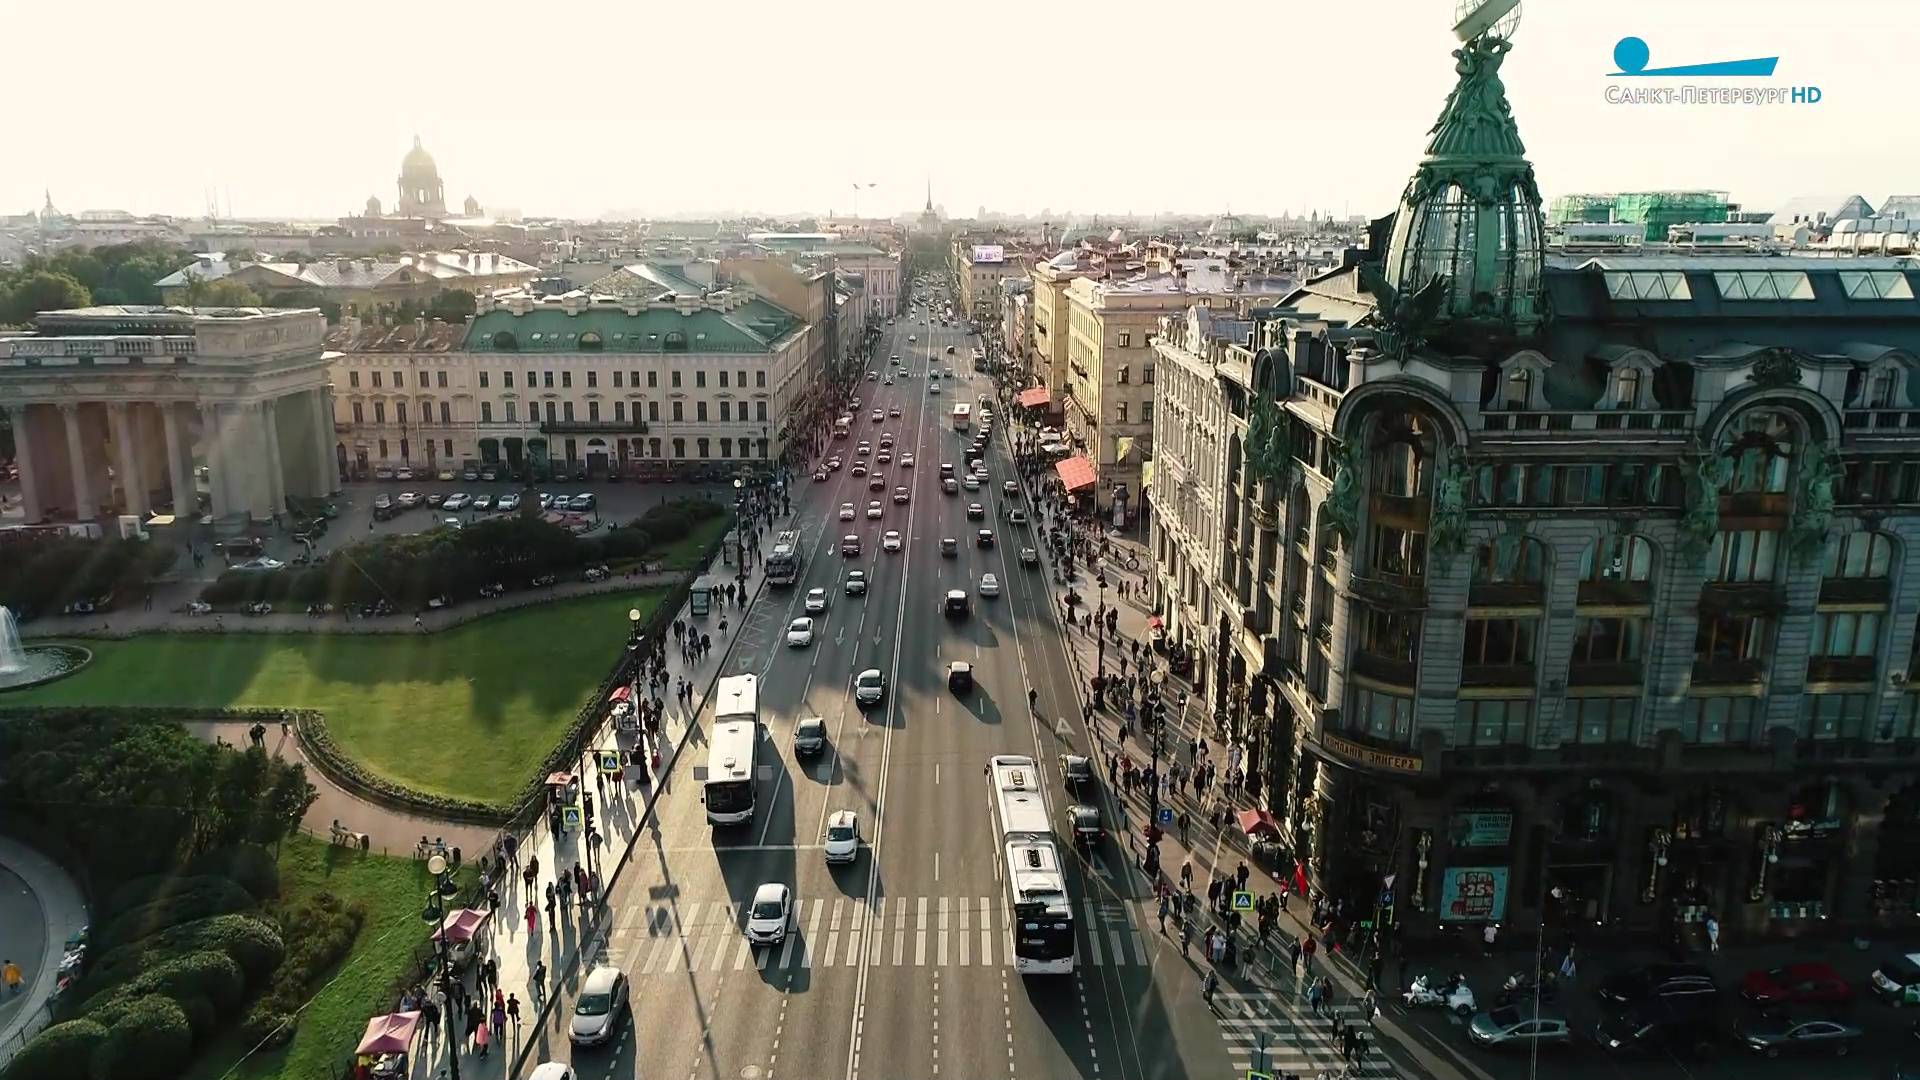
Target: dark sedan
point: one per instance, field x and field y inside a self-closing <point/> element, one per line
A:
<point x="1776" y="1035"/>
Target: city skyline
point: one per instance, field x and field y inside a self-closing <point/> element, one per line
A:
<point x="1181" y="159"/>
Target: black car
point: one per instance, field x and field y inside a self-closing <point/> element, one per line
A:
<point x="1085" y="821"/>
<point x="1659" y="982"/>
<point x="957" y="605"/>
<point x="959" y="676"/>
<point x="1076" y="771"/>
<point x="1662" y="1027"/>
<point x="949" y="547"/>
<point x="984" y="538"/>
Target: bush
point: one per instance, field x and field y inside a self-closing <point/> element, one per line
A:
<point x="253" y="943"/>
<point x="205" y="974"/>
<point x="319" y="933"/>
<point x="627" y="542"/>
<point x="205" y="897"/>
<point x="152" y="1040"/>
<point x="60" y="1052"/>
<point x="268" y="1028"/>
<point x="201" y="1016"/>
<point x="249" y="865"/>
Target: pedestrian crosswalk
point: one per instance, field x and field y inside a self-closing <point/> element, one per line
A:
<point x="901" y="931"/>
<point x="1268" y="1031"/>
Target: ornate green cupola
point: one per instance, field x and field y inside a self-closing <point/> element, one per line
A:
<point x="1467" y="238"/>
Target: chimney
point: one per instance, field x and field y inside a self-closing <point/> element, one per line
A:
<point x="345" y="266"/>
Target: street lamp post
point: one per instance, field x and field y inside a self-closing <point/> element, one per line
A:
<point x="1100" y="625"/>
<point x="740" y="526"/>
<point x="1152" y="722"/>
<point x="435" y="913"/>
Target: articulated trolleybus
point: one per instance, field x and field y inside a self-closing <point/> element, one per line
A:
<point x="1036" y="884"/>
<point x="783" y="566"/>
<point x="730" y="778"/>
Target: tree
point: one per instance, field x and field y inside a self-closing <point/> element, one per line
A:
<point x="451" y="305"/>
<point x="38" y="291"/>
<point x="224" y="293"/>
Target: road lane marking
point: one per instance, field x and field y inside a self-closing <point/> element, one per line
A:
<point x="657" y="949"/>
<point x="746" y="950"/>
<point x="813" y="928"/>
<point x="719" y="954"/>
<point x="986" y="928"/>
<point x="966" y="935"/>
<point x="854" y="934"/>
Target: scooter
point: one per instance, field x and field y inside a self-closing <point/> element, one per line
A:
<point x="1521" y="987"/>
<point x="1454" y="994"/>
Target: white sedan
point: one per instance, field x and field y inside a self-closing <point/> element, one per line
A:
<point x="891" y="541"/>
<point x="875" y="509"/>
<point x="800" y="633"/>
<point x="906" y="461"/>
<point x="816" y="601"/>
<point x="846" y="512"/>
<point x="989" y="585"/>
<point x="971" y="482"/>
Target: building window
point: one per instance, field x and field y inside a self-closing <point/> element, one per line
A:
<point x="379" y="412"/>
<point x="486" y="411"/>
<point x="1518" y="393"/>
<point x="1492" y="722"/>
<point x="593" y="378"/>
<point x="619" y="411"/>
<point x="1723" y="638"/>
<point x="376" y="386"/>
<point x="1121" y="412"/>
<point x="358" y="417"/>
<point x="447" y="445"/>
<point x="760" y="379"/>
<point x="704" y="451"/>
<point x="440" y="379"/>
<point x="1120" y="375"/>
<point x="483" y="380"/>
<point x="1594" y="720"/>
<point x="760" y="411"/>
<point x="383" y="449"/>
<point x="1499" y="642"/>
<point x="679" y="411"/>
<point x="423" y="380"/>
<point x="1741" y="557"/>
<point x="506" y="380"/>
<point x="723" y="378"/>
<point x="1760" y="454"/>
<point x="700" y="413"/>
<point x="568" y="410"/>
<point x="616" y="378"/>
<point x="1860" y="556"/>
<point x="1146" y="374"/>
<point x="446" y="413"/>
<point x="1126" y="341"/>
<point x="593" y="412"/>
<point x="1718" y="721"/>
<point x="653" y="380"/>
<point x="1382" y="716"/>
<point x="1846" y="633"/>
<point x="1617" y="560"/>
<point x="740" y="380"/>
<point x="1607" y="641"/>
<point x="653" y="447"/>
<point x="1146" y="412"/>
<point x="511" y="418"/>
<point x="566" y="380"/>
<point x="547" y="379"/>
<point x="1626" y="388"/>
<point x="1833" y="716"/>
<point x="353" y="379"/>
<point x="679" y="448"/>
<point x="551" y="415"/>
<point x="1510" y="560"/>
<point x="700" y="383"/>
<point x="726" y="409"/>
<point x="653" y="412"/>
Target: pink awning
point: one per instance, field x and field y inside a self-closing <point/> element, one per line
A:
<point x="1076" y="472"/>
<point x="461" y="925"/>
<point x="1034" y="397"/>
<point x="1255" y="822"/>
<point x="620" y="693"/>
<point x="389" y="1034"/>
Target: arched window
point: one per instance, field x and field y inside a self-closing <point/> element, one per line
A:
<point x="675" y="341"/>
<point x="1399" y="469"/>
<point x="1860" y="556"/>
<point x="1623" y="558"/>
<point x="504" y="341"/>
<point x="1510" y="560"/>
<point x="590" y="342"/>
<point x="1761" y="450"/>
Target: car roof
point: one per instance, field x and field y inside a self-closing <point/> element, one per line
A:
<point x="552" y="1070"/>
<point x="873" y="671"/>
<point x="771" y="890"/>
<point x="600" y="980"/>
<point x="1807" y="970"/>
<point x="959" y="665"/>
<point x="956" y="594"/>
<point x="808" y="723"/>
<point x="842" y="817"/>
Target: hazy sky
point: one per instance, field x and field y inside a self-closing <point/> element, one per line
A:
<point x="578" y="108"/>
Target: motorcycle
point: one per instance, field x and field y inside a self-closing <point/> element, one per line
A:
<point x="1454" y="995"/>
<point x="258" y="607"/>
<point x="1520" y="986"/>
<point x="199" y="607"/>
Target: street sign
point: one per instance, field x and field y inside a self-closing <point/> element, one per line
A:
<point x="1166" y="815"/>
<point x="609" y="760"/>
<point x="1243" y="900"/>
<point x="570" y="817"/>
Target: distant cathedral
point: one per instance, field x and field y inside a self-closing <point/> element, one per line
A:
<point x="421" y="193"/>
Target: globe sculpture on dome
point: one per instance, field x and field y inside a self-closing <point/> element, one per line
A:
<point x="1466" y="248"/>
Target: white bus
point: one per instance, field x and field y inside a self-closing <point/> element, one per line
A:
<point x="729" y="780"/>
<point x="783" y="566"/>
<point x="1043" y="941"/>
<point x="962" y="415"/>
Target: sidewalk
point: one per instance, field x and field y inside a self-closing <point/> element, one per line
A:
<point x="1212" y="853"/>
<point x="40" y="908"/>
<point x="621" y="810"/>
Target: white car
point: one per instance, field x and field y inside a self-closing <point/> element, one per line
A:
<point x="816" y="601"/>
<point x="933" y="388"/>
<point x="869" y="687"/>
<point x="906" y="461"/>
<point x="989" y="585"/>
<point x="895" y="410"/>
<point x="901" y="495"/>
<point x="407" y="500"/>
<point x="875" y="509"/>
<point x="770" y="914"/>
<point x="891" y="541"/>
<point x="972" y="482"/>
<point x="878" y="416"/>
<point x="843" y="837"/>
<point x="457" y="501"/>
<point x="846" y="512"/>
<point x="800" y="633"/>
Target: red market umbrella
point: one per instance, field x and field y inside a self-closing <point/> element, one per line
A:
<point x="620" y="693"/>
<point x="389" y="1034"/>
<point x="461" y="925"/>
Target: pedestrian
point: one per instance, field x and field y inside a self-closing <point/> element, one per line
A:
<point x="1487" y="937"/>
<point x="538" y="982"/>
<point x="480" y="1037"/>
<point x="10" y="973"/>
<point x="499" y="1018"/>
<point x="1338" y="1033"/>
<point x="1307" y="947"/>
<point x="533" y="919"/>
<point x="513" y="1011"/>
<point x="1370" y="1005"/>
<point x="490" y="973"/>
<point x="551" y="891"/>
<point x="1208" y="986"/>
<point x="1713" y="934"/>
<point x="512" y="846"/>
<point x="1164" y="908"/>
<point x="430" y="1015"/>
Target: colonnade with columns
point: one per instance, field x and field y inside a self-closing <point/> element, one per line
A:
<point x="82" y="458"/>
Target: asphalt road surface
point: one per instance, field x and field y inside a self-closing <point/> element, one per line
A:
<point x="900" y="963"/>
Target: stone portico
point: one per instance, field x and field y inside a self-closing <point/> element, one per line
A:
<point x="114" y="408"/>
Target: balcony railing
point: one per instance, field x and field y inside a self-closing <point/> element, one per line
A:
<point x="598" y="427"/>
<point x="1636" y="424"/>
<point x="1391" y="590"/>
<point x="1726" y="672"/>
<point x="1840" y="669"/>
<point x="1616" y="593"/>
<point x="1496" y="675"/>
<point x="1855" y="590"/>
<point x="1385" y="668"/>
<point x="1740" y="597"/>
<point x="1605" y="673"/>
<point x="1882" y="423"/>
<point x="1505" y="594"/>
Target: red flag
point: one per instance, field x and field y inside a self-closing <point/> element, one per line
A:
<point x="1299" y="878"/>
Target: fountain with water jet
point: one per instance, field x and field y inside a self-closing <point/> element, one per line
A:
<point x="22" y="666"/>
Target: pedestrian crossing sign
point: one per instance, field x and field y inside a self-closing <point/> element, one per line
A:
<point x="609" y="760"/>
<point x="1243" y="900"/>
<point x="1166" y="815"/>
<point x="570" y="817"/>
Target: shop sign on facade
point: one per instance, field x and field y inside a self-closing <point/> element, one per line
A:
<point x="1481" y="828"/>
<point x="1372" y="758"/>
<point x="1473" y="894"/>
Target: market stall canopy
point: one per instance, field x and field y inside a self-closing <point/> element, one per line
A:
<point x="1034" y="397"/>
<point x="461" y="925"/>
<point x="389" y="1034"/>
<point x="620" y="693"/>
<point x="1255" y="822"/>
<point x="1076" y="472"/>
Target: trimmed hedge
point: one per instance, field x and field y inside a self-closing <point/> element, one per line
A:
<point x="204" y="897"/>
<point x="319" y="934"/>
<point x="43" y="577"/>
<point x="251" y="866"/>
<point x="205" y="974"/>
<point x="152" y="1040"/>
<point x="253" y="943"/>
<point x="60" y="1052"/>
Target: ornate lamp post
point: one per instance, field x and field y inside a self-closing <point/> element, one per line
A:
<point x="434" y="914"/>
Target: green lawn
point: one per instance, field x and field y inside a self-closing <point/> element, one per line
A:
<point x="685" y="553"/>
<point x="394" y="891"/>
<point x="464" y="713"/>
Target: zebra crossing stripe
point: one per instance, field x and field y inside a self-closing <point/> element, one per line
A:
<point x="986" y="931"/>
<point x="813" y="928"/>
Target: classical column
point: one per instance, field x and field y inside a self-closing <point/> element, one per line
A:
<point x="133" y="479"/>
<point x="276" y="480"/>
<point x="186" y="502"/>
<point x="83" y="504"/>
<point x="323" y="440"/>
<point x="23" y="457"/>
<point x="218" y="482"/>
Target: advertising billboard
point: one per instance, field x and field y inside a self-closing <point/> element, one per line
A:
<point x="1473" y="894"/>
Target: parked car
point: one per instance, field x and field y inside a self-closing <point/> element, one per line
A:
<point x="1519" y="1026"/>
<point x="1679" y="1027"/>
<point x="1773" y="1035"/>
<point x="1897" y="980"/>
<point x="508" y="503"/>
<point x="1658" y="981"/>
<point x="483" y="501"/>
<point x="1796" y="984"/>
